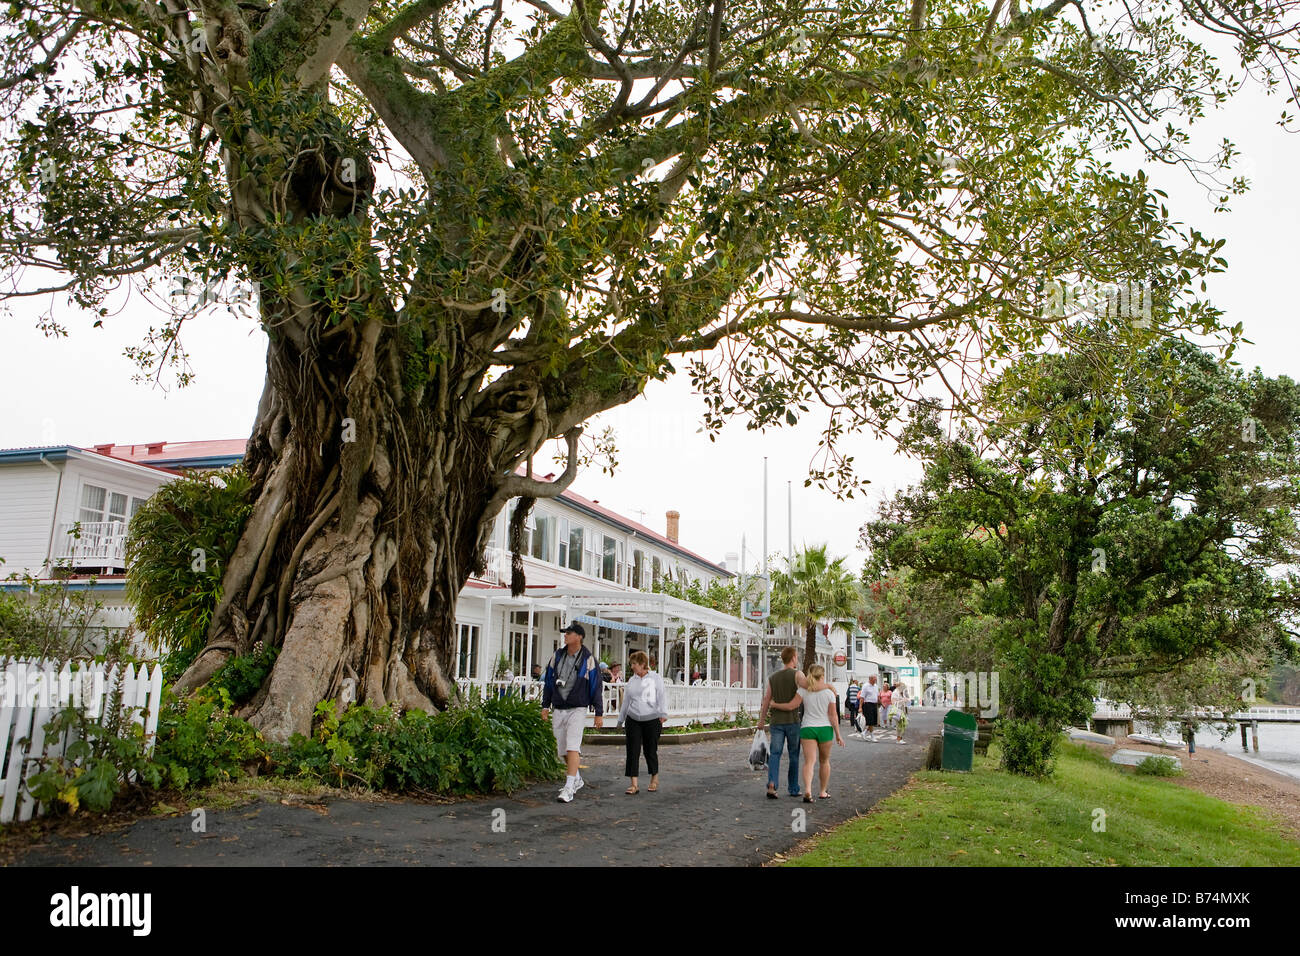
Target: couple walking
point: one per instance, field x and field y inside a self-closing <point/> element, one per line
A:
<point x="788" y="690"/>
<point x="572" y="686"/>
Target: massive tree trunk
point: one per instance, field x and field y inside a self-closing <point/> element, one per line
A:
<point x="365" y="527"/>
<point x="378" y="457"/>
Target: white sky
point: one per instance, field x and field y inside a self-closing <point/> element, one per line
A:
<point x="78" y="390"/>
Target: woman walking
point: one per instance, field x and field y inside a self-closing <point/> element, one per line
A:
<point x="645" y="708"/>
<point x="886" y="697"/>
<point x="818" y="729"/>
<point x="900" y="703"/>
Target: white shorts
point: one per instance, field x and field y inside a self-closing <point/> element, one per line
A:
<point x="567" y="724"/>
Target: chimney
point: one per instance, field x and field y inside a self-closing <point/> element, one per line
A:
<point x="673" y="518"/>
<point x="732" y="561"/>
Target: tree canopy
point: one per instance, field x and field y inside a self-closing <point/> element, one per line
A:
<point x="1111" y="534"/>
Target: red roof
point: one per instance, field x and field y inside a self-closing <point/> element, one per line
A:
<point x="641" y="530"/>
<point x="149" y="452"/>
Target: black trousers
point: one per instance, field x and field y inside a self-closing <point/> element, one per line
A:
<point x="642" y="733"/>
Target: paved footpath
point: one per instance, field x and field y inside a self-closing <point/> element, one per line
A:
<point x="710" y="810"/>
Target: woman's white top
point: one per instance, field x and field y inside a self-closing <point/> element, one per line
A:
<point x="816" y="706"/>
<point x="644" y="698"/>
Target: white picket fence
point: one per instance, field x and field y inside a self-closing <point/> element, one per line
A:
<point x="32" y="692"/>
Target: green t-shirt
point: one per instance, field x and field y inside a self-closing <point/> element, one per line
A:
<point x="783" y="690"/>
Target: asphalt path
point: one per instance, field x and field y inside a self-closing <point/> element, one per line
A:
<point x="711" y="809"/>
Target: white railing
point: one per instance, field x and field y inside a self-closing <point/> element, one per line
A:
<point x="497" y="566"/>
<point x="32" y="692"/>
<point x="684" y="703"/>
<point x="100" y="544"/>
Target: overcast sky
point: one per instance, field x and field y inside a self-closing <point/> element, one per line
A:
<point x="78" y="390"/>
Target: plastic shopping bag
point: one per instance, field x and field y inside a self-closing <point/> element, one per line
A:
<point x="758" y="750"/>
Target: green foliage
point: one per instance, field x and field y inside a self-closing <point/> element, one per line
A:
<point x="240" y="678"/>
<point x="49" y="620"/>
<point x="200" y="743"/>
<point x="1028" y="748"/>
<point x="474" y="748"/>
<point x="813" y="588"/>
<point x="177" y="549"/>
<point x="1159" y="766"/>
<point x="1115" y="521"/>
<point x="106" y="755"/>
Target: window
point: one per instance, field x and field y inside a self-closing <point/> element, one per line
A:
<point x="92" y="504"/>
<point x="620" y="571"/>
<point x="467" y="650"/>
<point x="656" y="569"/>
<point x="638" y="568"/>
<point x="682" y="579"/>
<point x="544" y="538"/>
<point x="608" y="556"/>
<point x="898" y="648"/>
<point x="135" y="505"/>
<point x="589" y="563"/>
<point x="562" y="542"/>
<point x="517" y="642"/>
<point x="575" y="548"/>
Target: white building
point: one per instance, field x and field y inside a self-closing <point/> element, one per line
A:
<point x="582" y="562"/>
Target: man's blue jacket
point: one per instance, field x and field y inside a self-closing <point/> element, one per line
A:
<point x="586" y="694"/>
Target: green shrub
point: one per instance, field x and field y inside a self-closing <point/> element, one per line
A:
<point x="475" y="748"/>
<point x="1028" y="747"/>
<point x="1159" y="766"/>
<point x="106" y="755"/>
<point x="52" y="622"/>
<point x="240" y="678"/>
<point x="177" y="548"/>
<point x="199" y="743"/>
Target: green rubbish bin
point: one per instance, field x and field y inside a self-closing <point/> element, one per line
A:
<point x="959" y="733"/>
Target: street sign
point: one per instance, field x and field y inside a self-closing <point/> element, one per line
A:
<point x="755" y="598"/>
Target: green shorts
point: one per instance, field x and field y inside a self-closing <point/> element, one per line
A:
<point x="821" y="734"/>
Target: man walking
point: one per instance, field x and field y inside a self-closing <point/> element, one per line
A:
<point x="572" y="684"/>
<point x="851" y="701"/>
<point x="785" y="725"/>
<point x="870" y="699"/>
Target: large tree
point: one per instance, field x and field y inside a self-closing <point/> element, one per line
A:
<point x="1123" y="519"/>
<point x="468" y="228"/>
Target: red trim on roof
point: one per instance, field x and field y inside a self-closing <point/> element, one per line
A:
<point x="641" y="530"/>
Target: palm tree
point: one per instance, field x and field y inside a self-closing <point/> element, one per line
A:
<point x="815" y="588"/>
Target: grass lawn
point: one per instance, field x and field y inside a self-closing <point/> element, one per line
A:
<point x="991" y="818"/>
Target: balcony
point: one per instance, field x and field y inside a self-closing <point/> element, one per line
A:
<point x="95" y="544"/>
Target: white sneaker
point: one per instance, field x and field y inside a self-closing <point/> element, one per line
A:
<point x="578" y="784"/>
<point x="566" y="795"/>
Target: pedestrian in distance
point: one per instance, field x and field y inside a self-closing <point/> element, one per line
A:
<point x="572" y="686"/>
<point x="886" y="700"/>
<point x="870" y="703"/>
<point x="781" y="688"/>
<point x="645" y="708"/>
<point x="851" y="701"/>
<point x="818" y="729"/>
<point x="899" y="706"/>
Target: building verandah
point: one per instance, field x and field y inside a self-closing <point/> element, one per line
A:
<point x="711" y="662"/>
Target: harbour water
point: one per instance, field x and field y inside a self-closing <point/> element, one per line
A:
<point x="1279" y="744"/>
